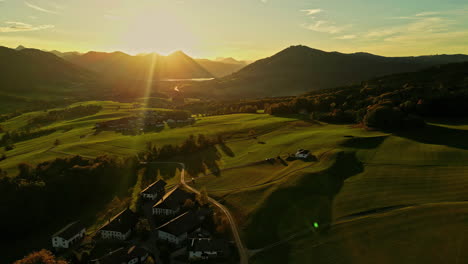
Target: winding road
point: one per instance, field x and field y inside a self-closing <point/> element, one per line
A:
<point x="243" y="253"/>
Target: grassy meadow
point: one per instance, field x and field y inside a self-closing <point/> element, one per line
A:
<point x="371" y="193"/>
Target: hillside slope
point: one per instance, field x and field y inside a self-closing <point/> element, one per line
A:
<point x="30" y="78"/>
<point x="299" y="69"/>
<point x="120" y="65"/>
<point x="26" y="68"/>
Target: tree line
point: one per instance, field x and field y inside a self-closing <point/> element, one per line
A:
<point x="65" y="114"/>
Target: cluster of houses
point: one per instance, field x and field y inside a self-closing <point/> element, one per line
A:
<point x="180" y="228"/>
<point x="149" y="120"/>
<point x="183" y="227"/>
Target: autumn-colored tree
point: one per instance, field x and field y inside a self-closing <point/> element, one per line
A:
<point x="40" y="257"/>
<point x="189" y="204"/>
<point x="203" y="197"/>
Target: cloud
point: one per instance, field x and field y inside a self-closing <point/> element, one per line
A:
<point x="422" y="25"/>
<point x="325" y="27"/>
<point x="310" y="12"/>
<point x="13" y="26"/>
<point x="264" y="1"/>
<point x="39" y="8"/>
<point x="347" y="37"/>
<point x="427" y="14"/>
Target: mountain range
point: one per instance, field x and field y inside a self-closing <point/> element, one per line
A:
<point x="27" y="73"/>
<point x="298" y="69"/>
<point x="25" y="68"/>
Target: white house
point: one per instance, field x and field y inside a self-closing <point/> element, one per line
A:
<point x="303" y="154"/>
<point x="131" y="255"/>
<point x="68" y="235"/>
<point x="206" y="248"/>
<point x="172" y="202"/>
<point x="154" y="191"/>
<point x="176" y="230"/>
<point x="120" y="227"/>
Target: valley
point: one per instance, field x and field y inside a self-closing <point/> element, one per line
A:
<point x="362" y="186"/>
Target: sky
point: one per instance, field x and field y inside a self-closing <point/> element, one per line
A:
<point x="243" y="29"/>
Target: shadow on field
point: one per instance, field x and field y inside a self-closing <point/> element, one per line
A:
<point x="309" y="200"/>
<point x="203" y="161"/>
<point x="437" y="135"/>
<point x="364" y="142"/>
<point x="227" y="150"/>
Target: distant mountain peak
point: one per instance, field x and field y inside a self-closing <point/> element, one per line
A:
<point x="178" y="53"/>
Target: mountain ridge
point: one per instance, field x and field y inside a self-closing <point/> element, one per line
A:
<point x="299" y="69"/>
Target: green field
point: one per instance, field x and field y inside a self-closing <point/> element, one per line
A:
<point x="424" y="180"/>
<point x="77" y="136"/>
<point x="377" y="197"/>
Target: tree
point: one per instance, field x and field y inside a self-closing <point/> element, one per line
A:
<point x="25" y="170"/>
<point x="252" y="134"/>
<point x="143" y="228"/>
<point x="203" y="197"/>
<point x="202" y="141"/>
<point x="57" y="142"/>
<point x="189" y="204"/>
<point x="40" y="257"/>
<point x="383" y="117"/>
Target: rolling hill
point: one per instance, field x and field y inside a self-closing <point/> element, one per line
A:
<point x="299" y="69"/>
<point x="121" y="65"/>
<point x="30" y="76"/>
<point x="23" y="68"/>
<point x="221" y="68"/>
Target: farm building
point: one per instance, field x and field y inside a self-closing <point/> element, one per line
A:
<point x="131" y="255"/>
<point x="172" y="202"/>
<point x="176" y="230"/>
<point x="303" y="154"/>
<point x="120" y="227"/>
<point x="68" y="235"/>
<point x="154" y="191"/>
<point x="207" y="248"/>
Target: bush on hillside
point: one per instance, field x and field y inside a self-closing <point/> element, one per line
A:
<point x="391" y="118"/>
<point x="383" y="117"/>
<point x="40" y="257"/>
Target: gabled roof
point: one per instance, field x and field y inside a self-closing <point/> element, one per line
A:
<point x="122" y="222"/>
<point x="123" y="255"/>
<point x="70" y="230"/>
<point x="208" y="244"/>
<point x="174" y="199"/>
<point x="155" y="187"/>
<point x="303" y="151"/>
<point x="186" y="222"/>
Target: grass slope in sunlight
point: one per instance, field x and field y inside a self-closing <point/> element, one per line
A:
<point x="77" y="136"/>
<point x="367" y="208"/>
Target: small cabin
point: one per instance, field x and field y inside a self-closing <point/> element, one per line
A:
<point x="303" y="154"/>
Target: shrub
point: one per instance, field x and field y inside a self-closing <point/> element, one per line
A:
<point x="383" y="117"/>
<point x="40" y="257"/>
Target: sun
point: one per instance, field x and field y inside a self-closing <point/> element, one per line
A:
<point x="161" y="32"/>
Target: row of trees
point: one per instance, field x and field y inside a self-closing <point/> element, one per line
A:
<point x="64" y="114"/>
<point x="230" y="107"/>
<point x="10" y="137"/>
